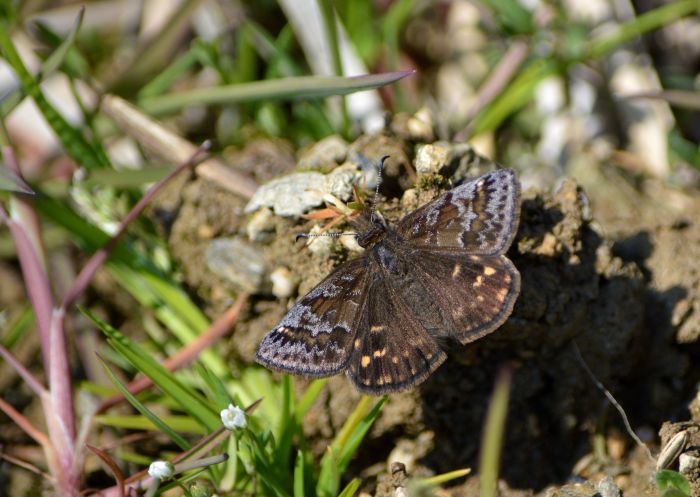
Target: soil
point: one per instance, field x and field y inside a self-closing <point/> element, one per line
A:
<point x="610" y="276"/>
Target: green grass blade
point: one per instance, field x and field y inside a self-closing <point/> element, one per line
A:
<point x="17" y="327"/>
<point x="57" y="57"/>
<point x="287" y="425"/>
<point x="299" y="475"/>
<point x="444" y="477"/>
<point x="309" y="397"/>
<point x="130" y="178"/>
<point x="516" y="96"/>
<point x="177" y="423"/>
<point x="285" y="88"/>
<point x="649" y="21"/>
<point x="160" y="83"/>
<point x="348" y="450"/>
<point x="351" y="488"/>
<point x="492" y="441"/>
<point x="215" y="386"/>
<point x="512" y="16"/>
<point x="269" y="49"/>
<point x="188" y="400"/>
<point x="79" y="149"/>
<point x="328" y="478"/>
<point x="345" y="445"/>
<point x="148" y="415"/>
<point x="267" y="472"/>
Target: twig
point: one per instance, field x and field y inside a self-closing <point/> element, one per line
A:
<point x="613" y="401"/>
<point x="28" y="466"/>
<point x="34" y="384"/>
<point x="24" y="424"/>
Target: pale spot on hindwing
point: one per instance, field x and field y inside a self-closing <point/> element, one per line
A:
<point x="365" y="361"/>
<point x="456" y="271"/>
<point x="489" y="271"/>
<point x="478" y="281"/>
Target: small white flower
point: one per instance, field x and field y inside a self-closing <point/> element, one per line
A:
<point x="161" y="470"/>
<point x="233" y="417"/>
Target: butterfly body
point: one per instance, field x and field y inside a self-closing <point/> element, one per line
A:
<point x="439" y="274"/>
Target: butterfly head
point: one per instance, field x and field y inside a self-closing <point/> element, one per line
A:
<point x="370" y="229"/>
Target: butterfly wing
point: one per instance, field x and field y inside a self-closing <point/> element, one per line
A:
<point x="316" y="336"/>
<point x="476" y="293"/>
<point x="393" y="351"/>
<point x="480" y="216"/>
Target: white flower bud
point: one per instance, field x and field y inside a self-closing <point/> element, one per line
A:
<point x="161" y="470"/>
<point x="233" y="417"/>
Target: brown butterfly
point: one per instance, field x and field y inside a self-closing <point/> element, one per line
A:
<point x="440" y="273"/>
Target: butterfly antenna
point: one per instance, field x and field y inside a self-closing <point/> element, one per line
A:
<point x="375" y="200"/>
<point x="312" y="235"/>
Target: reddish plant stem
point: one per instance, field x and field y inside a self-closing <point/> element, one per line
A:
<point x="498" y="79"/>
<point x="24" y="227"/>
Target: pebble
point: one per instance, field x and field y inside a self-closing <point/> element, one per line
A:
<point x="320" y="245"/>
<point x="325" y="154"/>
<point x="239" y="263"/>
<point x="261" y="226"/>
<point x="688" y="464"/>
<point x="293" y="195"/>
<point x="433" y="158"/>
<point x="284" y="283"/>
<point x="607" y="487"/>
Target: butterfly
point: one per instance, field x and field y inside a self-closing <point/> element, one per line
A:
<point x="439" y="274"/>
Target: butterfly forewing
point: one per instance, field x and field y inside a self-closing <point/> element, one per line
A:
<point x="475" y="292"/>
<point x="479" y="217"/>
<point x="316" y="336"/>
<point x="394" y="352"/>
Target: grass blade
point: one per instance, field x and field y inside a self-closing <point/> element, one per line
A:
<point x="285" y="88"/>
<point x="351" y="488"/>
<point x="57" y="57"/>
<point x="146" y="412"/>
<point x="493" y="435"/>
<point x="299" y="475"/>
<point x="186" y="398"/>
<point x="76" y="145"/>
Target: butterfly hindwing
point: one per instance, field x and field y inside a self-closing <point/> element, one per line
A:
<point x="480" y="216"/>
<point x="394" y="351"/>
<point x="316" y="336"/>
<point x="475" y="292"/>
